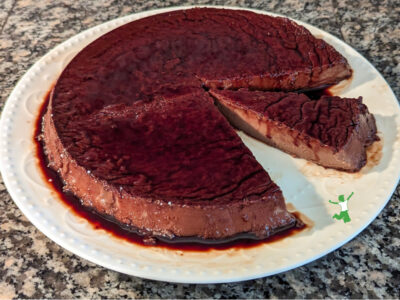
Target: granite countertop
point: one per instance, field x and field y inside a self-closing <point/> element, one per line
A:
<point x="33" y="266"/>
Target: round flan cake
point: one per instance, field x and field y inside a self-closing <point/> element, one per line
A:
<point x="132" y="131"/>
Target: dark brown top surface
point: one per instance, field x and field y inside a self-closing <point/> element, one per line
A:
<point x="98" y="98"/>
<point x="169" y="149"/>
<point x="329" y="119"/>
<point x="137" y="59"/>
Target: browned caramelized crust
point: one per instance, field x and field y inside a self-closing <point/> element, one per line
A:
<point x="331" y="131"/>
<point x="134" y="135"/>
<point x="216" y="47"/>
<point x="172" y="167"/>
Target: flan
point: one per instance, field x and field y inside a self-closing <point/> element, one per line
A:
<point x="331" y="131"/>
<point x="133" y="132"/>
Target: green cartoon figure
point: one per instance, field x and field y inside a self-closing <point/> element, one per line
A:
<point x="343" y="204"/>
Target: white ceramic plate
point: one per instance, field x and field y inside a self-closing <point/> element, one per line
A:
<point x="306" y="186"/>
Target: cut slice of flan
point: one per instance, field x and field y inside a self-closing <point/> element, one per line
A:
<point x="172" y="167"/>
<point x="331" y="131"/>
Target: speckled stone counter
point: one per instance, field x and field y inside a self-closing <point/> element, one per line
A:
<point x="33" y="266"/>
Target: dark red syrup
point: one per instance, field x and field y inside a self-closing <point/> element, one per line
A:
<point x="101" y="223"/>
<point x="316" y="94"/>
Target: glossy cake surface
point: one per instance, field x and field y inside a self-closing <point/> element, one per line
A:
<point x="331" y="131"/>
<point x="170" y="167"/>
<point x="133" y="133"/>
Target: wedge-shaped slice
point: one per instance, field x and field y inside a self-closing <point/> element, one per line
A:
<point x="172" y="167"/>
<point x="331" y="131"/>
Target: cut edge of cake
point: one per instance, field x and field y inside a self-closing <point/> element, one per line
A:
<point x="350" y="156"/>
<point x="257" y="216"/>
